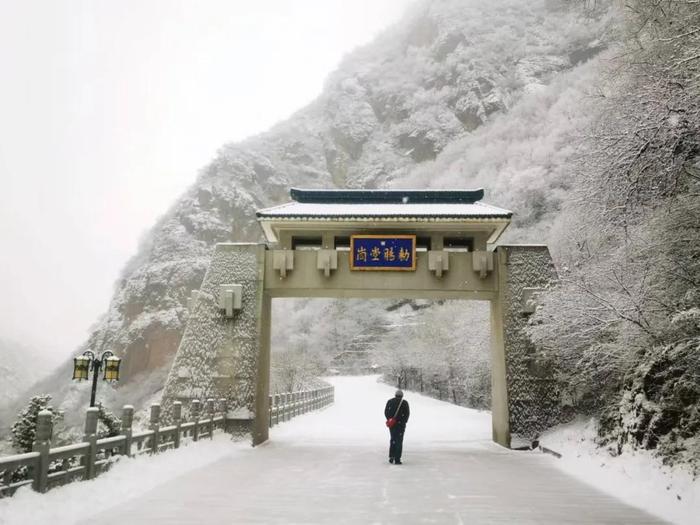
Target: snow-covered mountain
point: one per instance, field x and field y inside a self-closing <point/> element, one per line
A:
<point x="461" y="93"/>
<point x="20" y="367"/>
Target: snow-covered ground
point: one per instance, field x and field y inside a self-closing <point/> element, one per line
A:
<point x="128" y="479"/>
<point x="635" y="477"/>
<point x="331" y="467"/>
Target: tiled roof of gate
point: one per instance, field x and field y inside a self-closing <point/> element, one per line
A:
<point x="417" y="204"/>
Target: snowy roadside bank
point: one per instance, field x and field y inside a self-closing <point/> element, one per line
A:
<point x="128" y="479"/>
<point x="636" y="477"/>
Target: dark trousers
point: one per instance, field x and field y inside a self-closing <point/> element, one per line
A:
<point x="396" y="443"/>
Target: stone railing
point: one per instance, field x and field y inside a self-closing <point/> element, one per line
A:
<point x="45" y="467"/>
<point x="284" y="407"/>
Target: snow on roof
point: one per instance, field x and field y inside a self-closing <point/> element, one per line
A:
<point x="358" y="204"/>
<point x="292" y="210"/>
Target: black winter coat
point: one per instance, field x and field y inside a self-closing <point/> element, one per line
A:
<point x="404" y="411"/>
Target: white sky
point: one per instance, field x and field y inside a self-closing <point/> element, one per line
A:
<point x="109" y="108"/>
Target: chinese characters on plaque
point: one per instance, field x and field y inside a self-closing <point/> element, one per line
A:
<point x="383" y="252"/>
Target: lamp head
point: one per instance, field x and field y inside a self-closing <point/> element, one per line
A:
<point x="111" y="365"/>
<point x="81" y="367"/>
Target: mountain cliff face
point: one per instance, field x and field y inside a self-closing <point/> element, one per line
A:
<point x="460" y="93"/>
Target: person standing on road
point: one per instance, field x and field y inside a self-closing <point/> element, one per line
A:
<point x="396" y="412"/>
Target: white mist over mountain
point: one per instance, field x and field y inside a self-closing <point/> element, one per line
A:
<point x="109" y="109"/>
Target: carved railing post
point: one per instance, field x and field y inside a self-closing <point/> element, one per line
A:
<point x="127" y="432"/>
<point x="154" y="425"/>
<point x="42" y="445"/>
<point x="195" y="411"/>
<point x="210" y="412"/>
<point x="272" y="411"/>
<point x="224" y="409"/>
<point x="90" y="436"/>
<point x="270" y="403"/>
<point x="177" y="417"/>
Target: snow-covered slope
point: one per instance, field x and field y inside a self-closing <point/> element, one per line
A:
<point x="460" y="93"/>
<point x="20" y="367"/>
<point x="636" y="477"/>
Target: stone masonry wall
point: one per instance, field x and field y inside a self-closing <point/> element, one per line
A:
<point x="217" y="357"/>
<point x="533" y="393"/>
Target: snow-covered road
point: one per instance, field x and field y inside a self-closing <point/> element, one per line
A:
<point x="331" y="467"/>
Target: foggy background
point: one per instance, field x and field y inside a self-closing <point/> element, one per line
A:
<point x="108" y="110"/>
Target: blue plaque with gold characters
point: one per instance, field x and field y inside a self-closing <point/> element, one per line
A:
<point x="383" y="252"/>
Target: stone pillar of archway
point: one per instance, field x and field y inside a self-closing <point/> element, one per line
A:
<point x="525" y="392"/>
<point x="222" y="357"/>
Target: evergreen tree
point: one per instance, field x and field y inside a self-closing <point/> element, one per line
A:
<point x="24" y="429"/>
<point x="111" y="424"/>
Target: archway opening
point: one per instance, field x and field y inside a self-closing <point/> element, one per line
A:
<point x="433" y="349"/>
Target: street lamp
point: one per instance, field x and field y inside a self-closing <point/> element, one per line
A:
<point x="88" y="361"/>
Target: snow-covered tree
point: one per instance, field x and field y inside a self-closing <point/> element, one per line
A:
<point x="108" y="424"/>
<point x="622" y="320"/>
<point x="24" y="429"/>
<point x="441" y="350"/>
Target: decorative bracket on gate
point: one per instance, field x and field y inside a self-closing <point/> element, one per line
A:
<point x="230" y="298"/>
<point x="283" y="261"/>
<point x="327" y="260"/>
<point x="482" y="262"/>
<point x="438" y="262"/>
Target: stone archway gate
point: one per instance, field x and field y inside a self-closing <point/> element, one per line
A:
<point x="430" y="244"/>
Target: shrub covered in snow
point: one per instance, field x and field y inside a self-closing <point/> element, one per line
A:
<point x="24" y="429"/>
<point x="108" y="424"/>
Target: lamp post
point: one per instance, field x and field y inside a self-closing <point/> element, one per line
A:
<point x="89" y="361"/>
